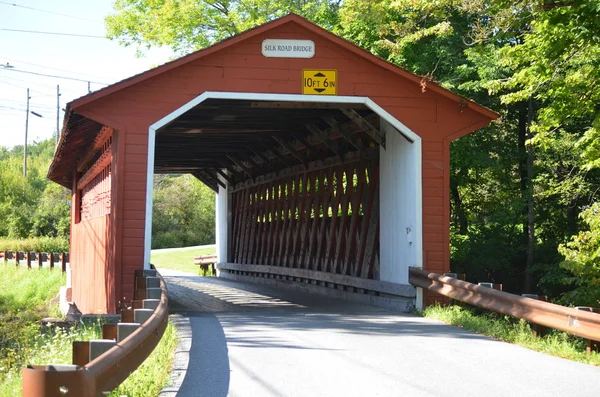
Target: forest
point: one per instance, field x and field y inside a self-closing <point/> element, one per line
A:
<point x="524" y="191"/>
<point x="33" y="207"/>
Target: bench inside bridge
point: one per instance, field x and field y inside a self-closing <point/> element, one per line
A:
<point x="336" y="186"/>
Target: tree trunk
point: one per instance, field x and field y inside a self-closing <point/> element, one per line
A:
<point x="530" y="204"/>
<point x="526" y="179"/>
<point x="460" y="217"/>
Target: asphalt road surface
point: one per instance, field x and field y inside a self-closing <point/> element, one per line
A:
<point x="245" y="340"/>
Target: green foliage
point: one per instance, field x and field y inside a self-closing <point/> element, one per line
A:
<point x="35" y="244"/>
<point x="24" y="297"/>
<point x="183" y="212"/>
<point x="31" y="206"/>
<point x="515" y="331"/>
<point x="186" y="25"/>
<point x="582" y="260"/>
<point x="151" y="377"/>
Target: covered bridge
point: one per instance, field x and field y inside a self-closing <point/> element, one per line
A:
<point x="324" y="158"/>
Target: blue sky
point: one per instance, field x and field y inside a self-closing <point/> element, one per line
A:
<point x="94" y="59"/>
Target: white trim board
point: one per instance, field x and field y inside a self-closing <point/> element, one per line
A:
<point x="250" y="96"/>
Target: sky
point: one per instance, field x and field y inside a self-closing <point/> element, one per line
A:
<point x="98" y="60"/>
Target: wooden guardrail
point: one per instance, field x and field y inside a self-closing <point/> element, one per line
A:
<point x="100" y="366"/>
<point x="568" y="319"/>
<point x="26" y="258"/>
<point x="204" y="261"/>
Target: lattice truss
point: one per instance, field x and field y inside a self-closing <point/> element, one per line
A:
<point x="95" y="184"/>
<point x="325" y="220"/>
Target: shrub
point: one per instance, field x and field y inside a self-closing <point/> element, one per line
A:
<point x="35" y="244"/>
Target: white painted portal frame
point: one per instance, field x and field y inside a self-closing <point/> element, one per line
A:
<point x="400" y="183"/>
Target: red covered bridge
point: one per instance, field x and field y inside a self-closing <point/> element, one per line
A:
<point x="328" y="162"/>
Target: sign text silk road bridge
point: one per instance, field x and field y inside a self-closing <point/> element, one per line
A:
<point x="329" y="164"/>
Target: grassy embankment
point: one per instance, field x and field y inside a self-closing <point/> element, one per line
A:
<point x="24" y="300"/>
<point x="511" y="330"/>
<point x="181" y="259"/>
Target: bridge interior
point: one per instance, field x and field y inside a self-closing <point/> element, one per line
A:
<point x="302" y="179"/>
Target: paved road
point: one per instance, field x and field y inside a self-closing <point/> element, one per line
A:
<point x="245" y="340"/>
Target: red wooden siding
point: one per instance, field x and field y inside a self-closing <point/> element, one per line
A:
<point x="91" y="232"/>
<point x="241" y="68"/>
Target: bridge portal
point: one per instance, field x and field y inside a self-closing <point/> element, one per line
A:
<point x="331" y="166"/>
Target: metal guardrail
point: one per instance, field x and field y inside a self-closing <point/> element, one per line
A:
<point x="111" y="368"/>
<point x="571" y="320"/>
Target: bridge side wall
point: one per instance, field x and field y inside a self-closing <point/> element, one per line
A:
<point x="221" y="222"/>
<point x="400" y="221"/>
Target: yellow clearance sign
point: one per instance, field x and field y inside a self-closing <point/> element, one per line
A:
<point x="319" y="82"/>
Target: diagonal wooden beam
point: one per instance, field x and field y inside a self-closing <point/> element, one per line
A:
<point x="277" y="155"/>
<point x="265" y="160"/>
<point x="212" y="177"/>
<point x="373" y="132"/>
<point x="298" y="136"/>
<point x="240" y="164"/>
<point x="212" y="185"/>
<point x="325" y="138"/>
<point x="291" y="149"/>
<point x="335" y="125"/>
<point x="225" y="176"/>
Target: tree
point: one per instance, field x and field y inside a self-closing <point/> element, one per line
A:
<point x="31" y="206"/>
<point x="183" y="212"/>
<point x="188" y="25"/>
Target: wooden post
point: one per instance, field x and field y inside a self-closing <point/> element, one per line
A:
<point x="51" y="259"/>
<point x="63" y="262"/>
<point x="39" y="259"/>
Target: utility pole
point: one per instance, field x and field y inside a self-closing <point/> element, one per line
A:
<point x="89" y="89"/>
<point x="25" y="146"/>
<point x="57" y="112"/>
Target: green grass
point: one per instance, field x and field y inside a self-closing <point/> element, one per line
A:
<point x="24" y="301"/>
<point x="508" y="329"/>
<point x="181" y="259"/>
<point x="152" y="376"/>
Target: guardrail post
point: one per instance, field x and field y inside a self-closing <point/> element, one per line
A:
<point x="536" y="329"/>
<point x="5" y="256"/>
<point x="51" y="259"/>
<point x="56" y="381"/>
<point x="63" y="262"/>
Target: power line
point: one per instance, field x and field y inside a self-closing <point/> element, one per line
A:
<point x="21" y="86"/>
<point x="29" y="82"/>
<point x="46" y="11"/>
<point x="58" y="77"/>
<point x="55" y="33"/>
<point x="46" y="67"/>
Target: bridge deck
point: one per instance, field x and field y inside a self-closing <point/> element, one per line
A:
<point x="250" y="340"/>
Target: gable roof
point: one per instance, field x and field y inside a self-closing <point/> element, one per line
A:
<point x="290" y="18"/>
<point x="60" y="169"/>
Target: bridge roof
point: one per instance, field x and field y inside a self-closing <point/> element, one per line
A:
<point x="78" y="132"/>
